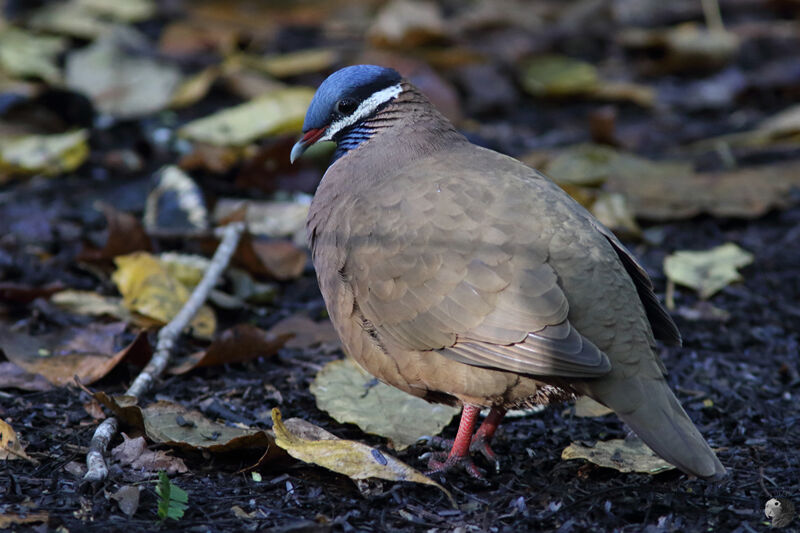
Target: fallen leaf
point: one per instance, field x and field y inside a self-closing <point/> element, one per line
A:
<point x="91" y="304"/>
<point x="279" y="111"/>
<point x="353" y="459"/>
<point x="11" y="291"/>
<point x="238" y="344"/>
<point x="125" y="235"/>
<point x="186" y="268"/>
<point x="119" y="81"/>
<point x="148" y="289"/>
<point x="89" y="19"/>
<point x="10" y="447"/>
<point x="350" y="395"/>
<point x="276" y="259"/>
<point x="11" y="519"/>
<point x="127" y="497"/>
<point x="620" y="455"/>
<point x="614" y="211"/>
<point x="553" y="75"/>
<point x="15" y="377"/>
<point x="24" y="54"/>
<point x="707" y="271"/>
<point x="176" y="202"/>
<point x="87" y="353"/>
<point x="296" y="63"/>
<point x="134" y="453"/>
<point x="271" y="219"/>
<point x="194" y="88"/>
<point x="407" y="24"/>
<point x="43" y="154"/>
<point x="307" y="333"/>
<point x="172" y="424"/>
<point x="586" y="407"/>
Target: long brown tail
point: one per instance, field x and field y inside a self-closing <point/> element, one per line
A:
<point x="650" y="408"/>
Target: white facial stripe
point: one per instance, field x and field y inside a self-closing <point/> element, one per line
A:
<point x="365" y="109"/>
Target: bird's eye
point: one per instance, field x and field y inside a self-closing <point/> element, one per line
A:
<point x="345" y="106"/>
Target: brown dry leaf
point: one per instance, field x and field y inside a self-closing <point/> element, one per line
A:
<point x="186" y="38"/>
<point x="125" y="235"/>
<point x="134" y="452"/>
<point x="127" y="497"/>
<point x="352" y="396"/>
<point x="10" y="447"/>
<point x="307" y="333"/>
<point x="407" y="24"/>
<point x="277" y="259"/>
<point x="620" y="455"/>
<point x="238" y="344"/>
<point x="707" y="271"/>
<point x="87" y="353"/>
<point x="353" y="459"/>
<point x="669" y="190"/>
<point x="148" y="289"/>
<point x="195" y="88"/>
<point x="11" y="519"/>
<point x="11" y="291"/>
<point x="14" y="377"/>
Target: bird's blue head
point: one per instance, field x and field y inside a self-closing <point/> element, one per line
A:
<point x="345" y="99"/>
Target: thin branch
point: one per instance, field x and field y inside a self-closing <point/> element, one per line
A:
<point x="95" y="461"/>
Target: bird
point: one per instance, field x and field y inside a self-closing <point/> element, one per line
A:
<point x="462" y="276"/>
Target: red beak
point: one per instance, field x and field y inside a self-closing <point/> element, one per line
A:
<point x="309" y="138"/>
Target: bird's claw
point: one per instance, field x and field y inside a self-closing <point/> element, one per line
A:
<point x="440" y="462"/>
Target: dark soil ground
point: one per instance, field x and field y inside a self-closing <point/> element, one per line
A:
<point x="746" y="366"/>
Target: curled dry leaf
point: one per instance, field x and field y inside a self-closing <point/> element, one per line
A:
<point x="619" y="454"/>
<point x="10" y="447"/>
<point x="91" y="304"/>
<point x="87" y="353"/>
<point x="353" y="459"/>
<point x="238" y="344"/>
<point x="350" y="395"/>
<point x="127" y="497"/>
<point x="148" y="289"/>
<point x="176" y="202"/>
<point x="707" y="271"/>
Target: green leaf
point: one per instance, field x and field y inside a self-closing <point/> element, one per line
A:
<point x="172" y="501"/>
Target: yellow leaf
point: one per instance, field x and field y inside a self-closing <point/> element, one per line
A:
<point x="620" y="455"/>
<point x="279" y="111"/>
<point x="707" y="271"/>
<point x="26" y="54"/>
<point x="10" y="448"/>
<point x="148" y="289"/>
<point x="553" y="75"/>
<point x="294" y="63"/>
<point x="353" y="459"/>
<point x="44" y="154"/>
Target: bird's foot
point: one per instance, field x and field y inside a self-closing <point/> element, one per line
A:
<point x="479" y="444"/>
<point x="441" y="462"/>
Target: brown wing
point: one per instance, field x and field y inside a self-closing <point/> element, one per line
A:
<point x="439" y="267"/>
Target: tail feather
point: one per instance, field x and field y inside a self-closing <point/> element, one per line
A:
<point x="660" y="421"/>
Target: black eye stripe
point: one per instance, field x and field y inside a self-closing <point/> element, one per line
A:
<point x="346" y="106"/>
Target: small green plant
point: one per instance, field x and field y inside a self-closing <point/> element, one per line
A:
<point x="172" y="501"/>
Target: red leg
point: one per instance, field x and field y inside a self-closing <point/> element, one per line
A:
<point x="483" y="437"/>
<point x="459" y="453"/>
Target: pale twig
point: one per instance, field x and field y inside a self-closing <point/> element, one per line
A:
<point x="95" y="461"/>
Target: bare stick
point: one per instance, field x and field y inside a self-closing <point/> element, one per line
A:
<point x="95" y="461"/>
